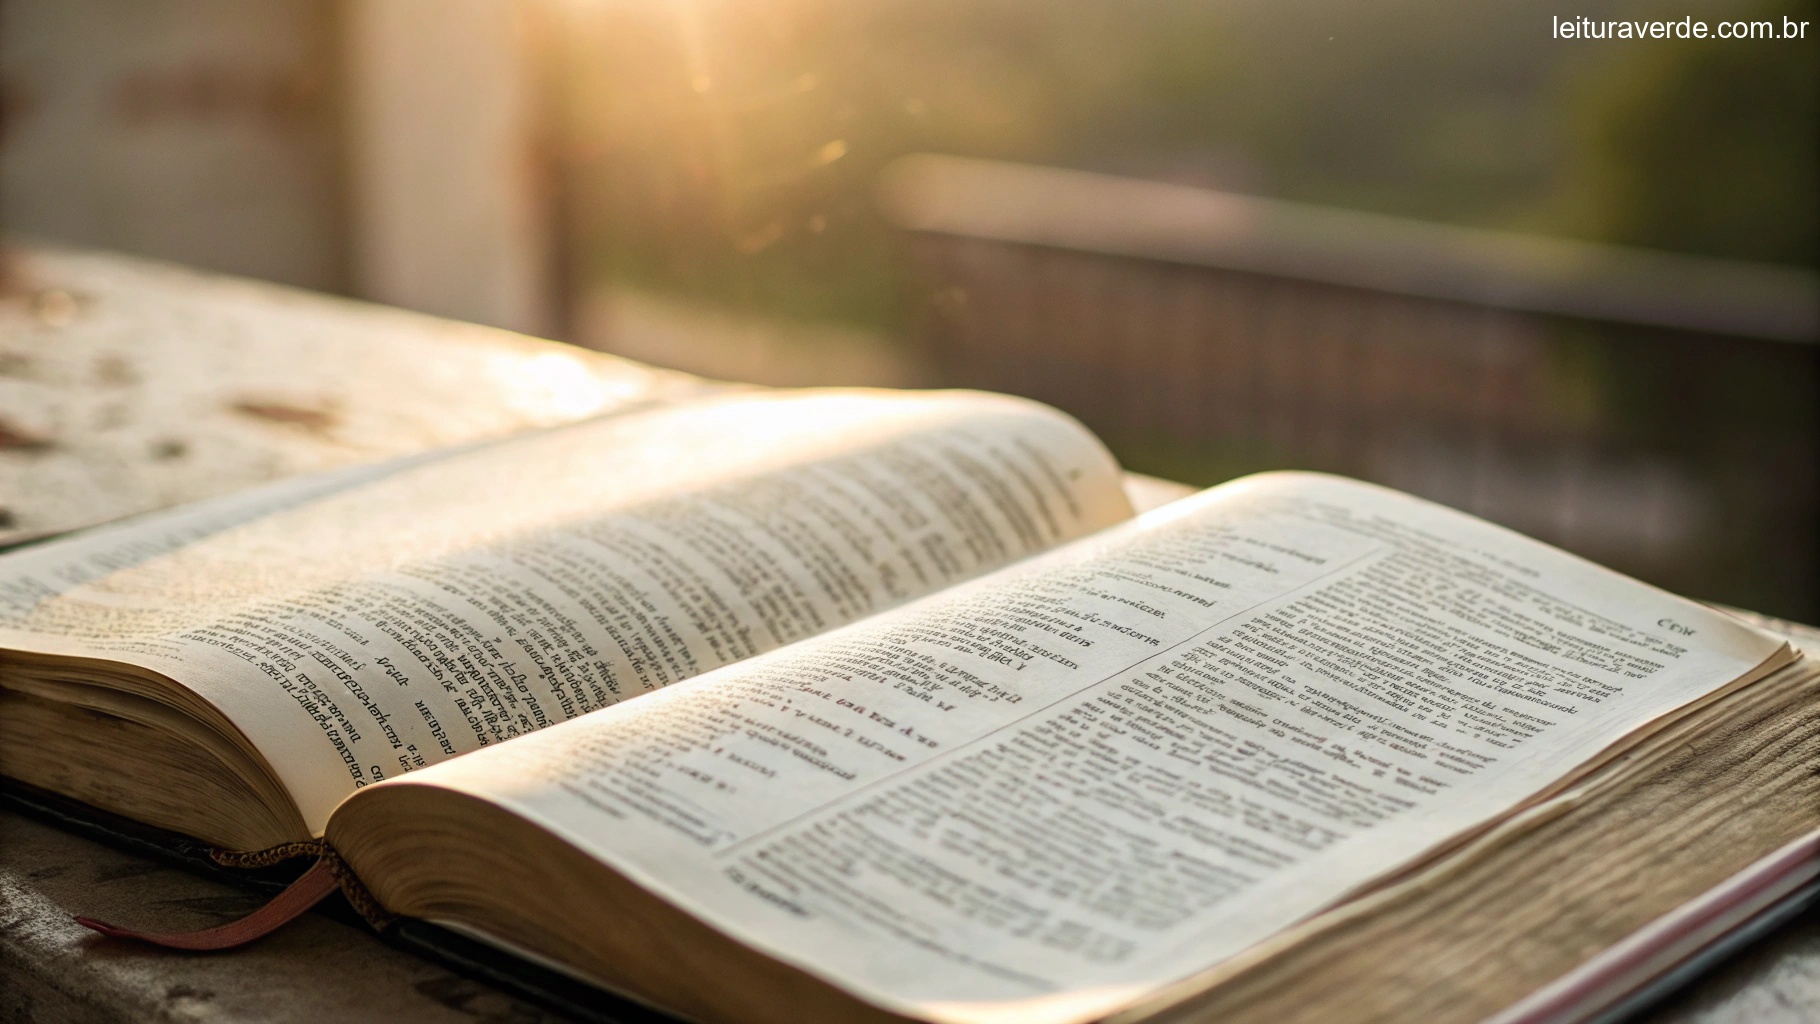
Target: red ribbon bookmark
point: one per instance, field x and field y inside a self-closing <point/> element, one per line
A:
<point x="303" y="894"/>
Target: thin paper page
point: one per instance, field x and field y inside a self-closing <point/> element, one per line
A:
<point x="1045" y="793"/>
<point x="482" y="597"/>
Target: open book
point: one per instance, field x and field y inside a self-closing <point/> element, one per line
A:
<point x="867" y="706"/>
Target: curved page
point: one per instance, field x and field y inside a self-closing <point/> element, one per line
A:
<point x="357" y="633"/>
<point x="1045" y="793"/>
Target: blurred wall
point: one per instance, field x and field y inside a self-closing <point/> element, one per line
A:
<point x="380" y="148"/>
<point x="450" y="210"/>
<point x="203" y="131"/>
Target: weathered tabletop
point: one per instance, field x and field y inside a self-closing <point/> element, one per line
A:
<point x="126" y="386"/>
<point x="53" y="970"/>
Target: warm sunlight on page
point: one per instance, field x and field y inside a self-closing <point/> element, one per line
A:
<point x="457" y="604"/>
<point x="1038" y="795"/>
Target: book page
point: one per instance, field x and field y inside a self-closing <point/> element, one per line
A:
<point x="456" y="604"/>
<point x="1045" y="793"/>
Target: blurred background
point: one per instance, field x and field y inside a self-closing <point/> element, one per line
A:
<point x="1567" y="285"/>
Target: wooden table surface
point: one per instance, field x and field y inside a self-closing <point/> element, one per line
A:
<point x="126" y="386"/>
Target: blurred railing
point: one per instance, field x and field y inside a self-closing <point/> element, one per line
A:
<point x="1653" y="412"/>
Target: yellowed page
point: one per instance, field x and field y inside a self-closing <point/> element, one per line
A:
<point x="361" y="633"/>
<point x="1045" y="793"/>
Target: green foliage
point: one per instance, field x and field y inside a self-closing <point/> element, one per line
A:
<point x="1701" y="146"/>
<point x="729" y="149"/>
